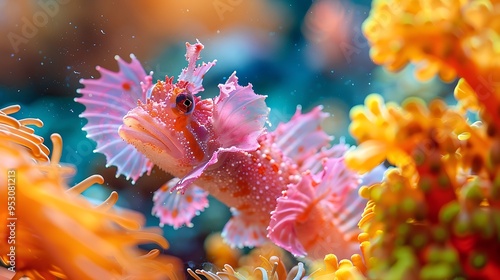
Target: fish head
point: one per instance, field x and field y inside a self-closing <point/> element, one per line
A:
<point x="173" y="126"/>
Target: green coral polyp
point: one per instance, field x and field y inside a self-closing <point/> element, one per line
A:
<point x="440" y="234"/>
<point x="481" y="219"/>
<point x="462" y="228"/>
<point x="478" y="260"/>
<point x="409" y="205"/>
<point x="437" y="271"/>
<point x="472" y="193"/>
<point x="425" y="184"/>
<point x="419" y="240"/>
<point x="449" y="212"/>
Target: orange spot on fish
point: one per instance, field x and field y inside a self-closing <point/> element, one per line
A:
<point x="181" y="124"/>
<point x="242" y="189"/>
<point x="261" y="170"/>
<point x="255" y="235"/>
<point x="300" y="149"/>
<point x="189" y="198"/>
<point x="126" y="86"/>
<point x="244" y="206"/>
<point x="275" y="167"/>
<point x="175" y="213"/>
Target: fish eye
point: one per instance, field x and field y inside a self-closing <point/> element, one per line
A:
<point x="185" y="102"/>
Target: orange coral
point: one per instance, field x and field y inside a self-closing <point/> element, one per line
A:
<point x="270" y="268"/>
<point x="269" y="262"/>
<point x="56" y="233"/>
<point x="16" y="131"/>
<point x="220" y="253"/>
<point x="266" y="262"/>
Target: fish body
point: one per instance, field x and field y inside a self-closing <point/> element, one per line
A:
<point x="286" y="186"/>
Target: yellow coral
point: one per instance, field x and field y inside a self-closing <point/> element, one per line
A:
<point x="435" y="216"/>
<point x="407" y="220"/>
<point x="465" y="96"/>
<point x="441" y="35"/>
<point x="387" y="131"/>
<point x="344" y="269"/>
<point x="446" y="37"/>
<point x="376" y="144"/>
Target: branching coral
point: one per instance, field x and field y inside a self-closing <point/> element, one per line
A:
<point x="435" y="215"/>
<point x="446" y="37"/>
<point x="54" y="232"/>
<point x="400" y="130"/>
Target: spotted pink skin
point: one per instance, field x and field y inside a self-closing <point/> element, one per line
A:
<point x="324" y="196"/>
<point x="281" y="185"/>
<point x="241" y="167"/>
<point x="250" y="182"/>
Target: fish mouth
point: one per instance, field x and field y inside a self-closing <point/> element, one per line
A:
<point x="143" y="131"/>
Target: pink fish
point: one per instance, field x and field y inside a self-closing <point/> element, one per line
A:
<point x="285" y="185"/>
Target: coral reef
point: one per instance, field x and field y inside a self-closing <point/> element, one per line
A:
<point x="435" y="215"/>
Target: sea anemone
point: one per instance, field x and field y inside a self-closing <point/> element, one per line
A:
<point x="270" y="262"/>
<point x="53" y="232"/>
<point x="270" y="268"/>
<point x="16" y="131"/>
